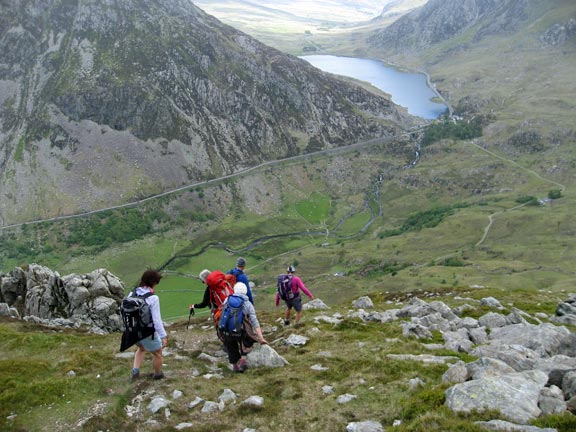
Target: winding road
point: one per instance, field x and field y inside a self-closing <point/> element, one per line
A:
<point x="332" y="151"/>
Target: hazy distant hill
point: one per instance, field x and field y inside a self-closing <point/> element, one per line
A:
<point x="305" y="26"/>
<point x="514" y="58"/>
<point x="473" y="20"/>
<point x="102" y="102"/>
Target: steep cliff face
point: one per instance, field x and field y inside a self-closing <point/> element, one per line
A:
<point x="440" y="20"/>
<point x="104" y="101"/>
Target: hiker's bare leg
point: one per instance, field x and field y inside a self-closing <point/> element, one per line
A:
<point x="298" y="316"/>
<point x="287" y="314"/>
<point x="157" y="361"/>
<point x="139" y="357"/>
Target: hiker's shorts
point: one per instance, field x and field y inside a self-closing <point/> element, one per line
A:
<point x="295" y="303"/>
<point x="151" y="344"/>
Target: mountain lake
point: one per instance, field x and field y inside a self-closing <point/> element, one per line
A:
<point x="406" y="89"/>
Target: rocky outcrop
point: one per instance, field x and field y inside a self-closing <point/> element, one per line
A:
<point x="525" y="367"/>
<point x="560" y="34"/>
<point x="566" y="311"/>
<point x="41" y="295"/>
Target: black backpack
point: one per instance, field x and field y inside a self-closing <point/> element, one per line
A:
<point x="284" y="287"/>
<point x="137" y="316"/>
<point x="231" y="324"/>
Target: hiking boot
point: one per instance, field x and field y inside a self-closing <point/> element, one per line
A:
<point x="236" y="368"/>
<point x="158" y="376"/>
<point x="243" y="365"/>
<point x="134" y="375"/>
<point x="286" y="322"/>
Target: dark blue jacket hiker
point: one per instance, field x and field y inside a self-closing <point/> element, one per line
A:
<point x="238" y="271"/>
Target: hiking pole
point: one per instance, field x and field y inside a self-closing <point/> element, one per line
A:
<point x="188" y="325"/>
<point x="190" y="316"/>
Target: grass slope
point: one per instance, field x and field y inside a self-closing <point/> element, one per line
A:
<point x="84" y="385"/>
<point x="453" y="219"/>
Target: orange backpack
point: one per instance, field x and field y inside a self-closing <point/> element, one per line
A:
<point x="221" y="286"/>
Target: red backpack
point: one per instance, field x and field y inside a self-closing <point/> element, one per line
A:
<point x="221" y="286"/>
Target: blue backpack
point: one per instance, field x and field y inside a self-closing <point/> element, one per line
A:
<point x="231" y="324"/>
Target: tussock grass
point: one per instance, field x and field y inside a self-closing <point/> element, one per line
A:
<point x="38" y="390"/>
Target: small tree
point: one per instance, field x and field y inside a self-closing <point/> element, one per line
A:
<point x="555" y="194"/>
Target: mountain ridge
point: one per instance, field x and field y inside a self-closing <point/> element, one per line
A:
<point x="146" y="96"/>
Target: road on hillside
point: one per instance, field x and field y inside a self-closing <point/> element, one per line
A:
<point x="332" y="151"/>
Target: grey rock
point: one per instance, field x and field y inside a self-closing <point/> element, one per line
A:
<point x="571" y="405"/>
<point x="545" y="339"/>
<point x="210" y="407"/>
<point x="518" y="357"/>
<point x="443" y="310"/>
<point x="363" y="302"/>
<point x="424" y="358"/>
<point x="360" y="314"/>
<point x="13" y="288"/>
<point x="565" y="308"/>
<point x="256" y="401"/>
<point x="365" y="426"/>
<point x="478" y="335"/>
<point x="7" y="311"/>
<point x="318" y="367"/>
<point x="569" y="384"/>
<point x="157" y="403"/>
<point x="184" y="425"/>
<point x="197" y="401"/>
<point x="514" y="395"/>
<point x="433" y="346"/>
<point x="415" y="383"/>
<point x="559" y="34"/>
<point x="469" y="323"/>
<point x="416" y="330"/>
<point x="567" y="345"/>
<point x="295" y="340"/>
<point x="551" y="401"/>
<point x="383" y="317"/>
<point x="492" y="320"/>
<point x="92" y="300"/>
<point x="227" y="396"/>
<point x="515" y="317"/>
<point x="456" y="373"/>
<point x="504" y="426"/>
<point x="315" y="304"/>
<point x="415" y="308"/>
<point x="491" y="302"/>
<point x="486" y="367"/>
<point x="458" y="341"/>
<point x="265" y="356"/>
<point x="329" y="320"/>
<point x="209" y="358"/>
<point x="549" y="364"/>
<point x="345" y="398"/>
<point x="433" y="321"/>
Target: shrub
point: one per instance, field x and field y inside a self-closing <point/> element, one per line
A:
<point x="528" y="200"/>
<point x="555" y="194"/>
